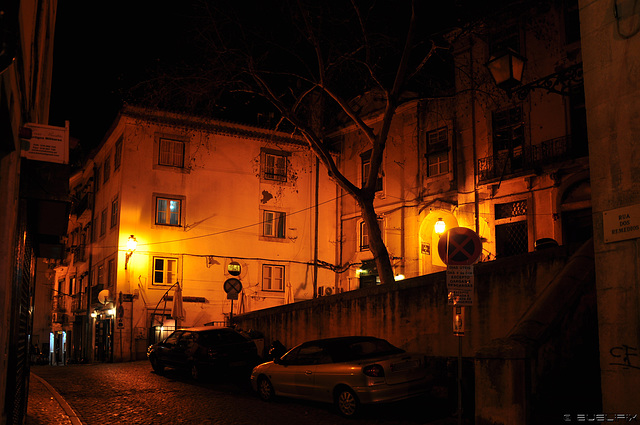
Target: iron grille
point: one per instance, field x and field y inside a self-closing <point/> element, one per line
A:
<point x="511" y="209"/>
<point x="512" y="239"/>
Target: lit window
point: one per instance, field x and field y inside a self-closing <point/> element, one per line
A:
<point x="168" y="211"/>
<point x="272" y="278"/>
<point x="171" y="153"/>
<point x="165" y="271"/>
<point x="275" y="167"/>
<point x="274" y="224"/>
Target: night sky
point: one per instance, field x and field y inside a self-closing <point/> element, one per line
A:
<point x="102" y="49"/>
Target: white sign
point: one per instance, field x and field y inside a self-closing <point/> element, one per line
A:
<point x="621" y="224"/>
<point x="460" y="284"/>
<point x="45" y="143"/>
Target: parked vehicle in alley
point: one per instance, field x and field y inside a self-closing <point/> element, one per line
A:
<point x="347" y="371"/>
<point x="202" y="350"/>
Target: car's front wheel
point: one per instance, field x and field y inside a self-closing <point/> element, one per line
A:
<point x="347" y="402"/>
<point x="265" y="389"/>
<point x="156" y="364"/>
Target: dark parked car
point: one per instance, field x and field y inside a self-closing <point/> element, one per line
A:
<point x="348" y="371"/>
<point x="204" y="349"/>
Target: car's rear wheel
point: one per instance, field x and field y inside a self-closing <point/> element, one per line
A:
<point x="347" y="402"/>
<point x="265" y="389"/>
<point x="156" y="364"/>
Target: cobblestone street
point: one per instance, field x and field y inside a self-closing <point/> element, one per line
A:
<point x="116" y="393"/>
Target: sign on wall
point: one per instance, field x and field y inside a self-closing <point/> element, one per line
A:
<point x="621" y="224"/>
<point x="45" y="143"/>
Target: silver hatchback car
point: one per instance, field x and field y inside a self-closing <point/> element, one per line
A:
<point x="347" y="371"/>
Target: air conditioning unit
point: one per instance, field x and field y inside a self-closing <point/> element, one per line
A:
<point x="325" y="290"/>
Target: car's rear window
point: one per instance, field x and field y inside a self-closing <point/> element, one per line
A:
<point x="350" y="350"/>
<point x="221" y="336"/>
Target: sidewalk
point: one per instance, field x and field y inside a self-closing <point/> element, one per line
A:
<point x="46" y="406"/>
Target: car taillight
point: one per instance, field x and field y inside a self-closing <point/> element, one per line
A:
<point x="374" y="371"/>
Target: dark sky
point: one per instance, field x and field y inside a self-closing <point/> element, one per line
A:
<point x="102" y="47"/>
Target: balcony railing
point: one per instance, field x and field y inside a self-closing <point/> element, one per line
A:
<point x="79" y="302"/>
<point x="530" y="158"/>
<point x="59" y="304"/>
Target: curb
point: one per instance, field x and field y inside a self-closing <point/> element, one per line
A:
<point x="73" y="416"/>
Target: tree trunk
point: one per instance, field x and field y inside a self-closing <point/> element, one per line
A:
<point x="376" y="244"/>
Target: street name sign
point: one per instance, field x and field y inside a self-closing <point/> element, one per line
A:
<point x="621" y="224"/>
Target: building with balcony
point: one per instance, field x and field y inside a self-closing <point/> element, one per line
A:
<point x="512" y="165"/>
<point x="206" y="202"/>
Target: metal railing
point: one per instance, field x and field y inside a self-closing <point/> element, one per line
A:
<point x="530" y="158"/>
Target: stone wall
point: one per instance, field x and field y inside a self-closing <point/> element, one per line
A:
<point x="413" y="314"/>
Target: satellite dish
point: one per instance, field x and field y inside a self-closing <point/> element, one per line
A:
<point x="103" y="296"/>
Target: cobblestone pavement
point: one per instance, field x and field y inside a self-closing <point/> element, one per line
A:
<point x="116" y="393"/>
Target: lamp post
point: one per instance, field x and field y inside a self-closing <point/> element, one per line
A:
<point x="507" y="68"/>
<point x="132" y="244"/>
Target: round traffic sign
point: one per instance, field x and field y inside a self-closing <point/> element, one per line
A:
<point x="232" y="286"/>
<point x="459" y="246"/>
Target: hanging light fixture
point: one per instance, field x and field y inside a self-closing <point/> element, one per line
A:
<point x="440" y="226"/>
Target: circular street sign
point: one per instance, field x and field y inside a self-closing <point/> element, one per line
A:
<point x="232" y="286"/>
<point x="459" y="246"/>
<point x="234" y="268"/>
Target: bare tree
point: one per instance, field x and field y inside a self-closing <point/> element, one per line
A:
<point x="309" y="59"/>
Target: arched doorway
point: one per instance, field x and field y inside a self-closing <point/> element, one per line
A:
<point x="430" y="261"/>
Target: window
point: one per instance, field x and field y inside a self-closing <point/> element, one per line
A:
<point x="168" y="211"/>
<point x="107" y="169"/>
<point x="114" y="212"/>
<point x="274" y="167"/>
<point x="117" y="157"/>
<point x="100" y="276"/>
<point x="508" y="138"/>
<point x="364" y="235"/>
<point x="366" y="167"/>
<point x="171" y="153"/>
<point x="97" y="178"/>
<point x="512" y="234"/>
<point x="165" y="271"/>
<point x="103" y="222"/>
<point x="273" y="224"/>
<point x="437" y="151"/>
<point x="111" y="274"/>
<point x="272" y="278"/>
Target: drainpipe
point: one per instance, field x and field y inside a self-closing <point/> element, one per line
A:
<point x="474" y="144"/>
<point x="315" y="242"/>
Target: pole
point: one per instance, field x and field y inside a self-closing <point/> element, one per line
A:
<point x="231" y="314"/>
<point x="459" y="380"/>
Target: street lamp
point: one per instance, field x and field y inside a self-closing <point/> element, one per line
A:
<point x="507" y="67"/>
<point x="132" y="244"/>
<point x="440" y="226"/>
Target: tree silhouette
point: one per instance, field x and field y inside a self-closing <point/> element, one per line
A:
<point x="306" y="61"/>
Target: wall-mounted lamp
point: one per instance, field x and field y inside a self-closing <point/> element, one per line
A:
<point x="132" y="244"/>
<point x="507" y="67"/>
<point x="440" y="226"/>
